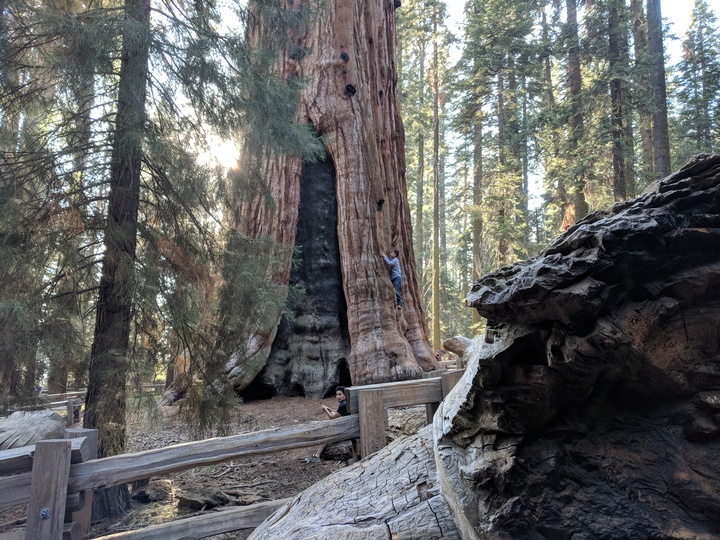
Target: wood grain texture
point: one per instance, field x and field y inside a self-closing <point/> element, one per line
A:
<point x="365" y="139"/>
<point x="23" y="428"/>
<point x="225" y="521"/>
<point x="372" y="421"/>
<point x="125" y="468"/>
<point x="394" y="495"/>
<point x="46" y="511"/>
<point x="83" y="515"/>
<point x="400" y="394"/>
<point x="15" y="490"/>
<point x="17" y="460"/>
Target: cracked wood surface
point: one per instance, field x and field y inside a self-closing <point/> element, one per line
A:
<point x="393" y="495"/>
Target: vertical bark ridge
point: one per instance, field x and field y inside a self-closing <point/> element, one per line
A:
<point x="350" y="99"/>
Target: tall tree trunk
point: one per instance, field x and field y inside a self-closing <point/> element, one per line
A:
<point x="420" y="201"/>
<point x="661" y="141"/>
<point x="577" y="190"/>
<point x="477" y="221"/>
<point x="441" y="186"/>
<point x="436" y="337"/>
<point x="106" y="396"/>
<point x="642" y="86"/>
<point x="525" y="175"/>
<point x="617" y="98"/>
<point x="502" y="159"/>
<point x="553" y="177"/>
<point x="350" y="98"/>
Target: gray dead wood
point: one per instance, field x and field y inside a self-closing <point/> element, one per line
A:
<point x="227" y="520"/>
<point x="23" y="428"/>
<point x="125" y="468"/>
<point x="394" y="494"/>
<point x="400" y="394"/>
<point x="458" y="345"/>
<point x="46" y="511"/>
<point x="17" y="460"/>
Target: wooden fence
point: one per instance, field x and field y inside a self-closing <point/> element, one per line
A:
<point x="56" y="478"/>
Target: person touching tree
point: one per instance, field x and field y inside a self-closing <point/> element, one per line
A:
<point x="395" y="275"/>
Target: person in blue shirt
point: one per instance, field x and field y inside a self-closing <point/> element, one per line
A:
<point x="395" y="275"/>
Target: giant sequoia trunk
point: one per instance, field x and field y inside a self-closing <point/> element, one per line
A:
<point x="595" y="413"/>
<point x="349" y="313"/>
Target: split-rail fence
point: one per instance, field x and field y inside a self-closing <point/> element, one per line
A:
<point x="56" y="478"/>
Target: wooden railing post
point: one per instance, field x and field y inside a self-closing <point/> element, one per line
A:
<point x="48" y="491"/>
<point x="449" y="380"/>
<point x="70" y="418"/>
<point x="83" y="515"/>
<point x="371" y="411"/>
<point x="431" y="408"/>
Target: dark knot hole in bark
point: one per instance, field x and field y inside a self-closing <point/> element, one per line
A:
<point x="344" y="57"/>
<point x="528" y="350"/>
<point x="380" y="205"/>
<point x="350" y="90"/>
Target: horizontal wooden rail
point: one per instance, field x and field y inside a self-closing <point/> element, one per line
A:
<point x="224" y="521"/>
<point x="400" y="394"/>
<point x="18" y="460"/>
<point x="66" y="395"/>
<point x="126" y="468"/>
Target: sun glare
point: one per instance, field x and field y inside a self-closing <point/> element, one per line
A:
<point x="224" y="153"/>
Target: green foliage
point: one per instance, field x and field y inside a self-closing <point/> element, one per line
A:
<point x="521" y="149"/>
<point x="694" y="125"/>
<point x="213" y="75"/>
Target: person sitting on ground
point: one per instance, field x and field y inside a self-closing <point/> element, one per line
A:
<point x="395" y="275"/>
<point x="342" y="410"/>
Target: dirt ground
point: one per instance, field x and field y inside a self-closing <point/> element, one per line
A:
<point x="246" y="480"/>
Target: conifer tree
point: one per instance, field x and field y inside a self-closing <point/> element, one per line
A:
<point x="698" y="87"/>
<point x="661" y="143"/>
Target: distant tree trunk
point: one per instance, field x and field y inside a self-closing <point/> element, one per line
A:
<point x="642" y="86"/>
<point x="576" y="116"/>
<point x="554" y="182"/>
<point x="616" y="27"/>
<point x="524" y="164"/>
<point x="441" y="187"/>
<point x="502" y="160"/>
<point x="661" y="141"/>
<point x="350" y="99"/>
<point x="420" y="201"/>
<point x="436" y="337"/>
<point x="106" y="398"/>
<point x="477" y="221"/>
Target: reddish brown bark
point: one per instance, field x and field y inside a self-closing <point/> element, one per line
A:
<point x="350" y="99"/>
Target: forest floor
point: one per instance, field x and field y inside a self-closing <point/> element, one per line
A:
<point x="245" y="480"/>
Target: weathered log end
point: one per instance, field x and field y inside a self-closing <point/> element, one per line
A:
<point x="594" y="410"/>
<point x="393" y="495"/>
